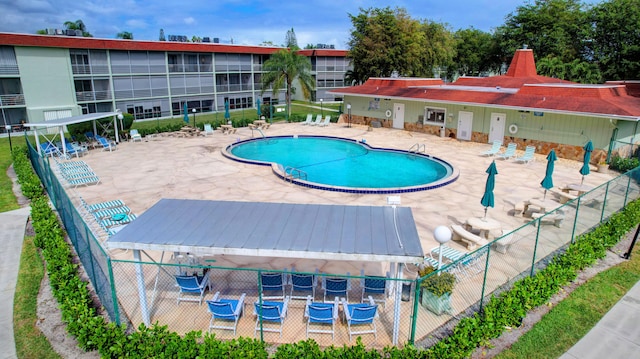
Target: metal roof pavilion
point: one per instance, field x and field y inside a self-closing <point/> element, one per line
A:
<point x="332" y="232"/>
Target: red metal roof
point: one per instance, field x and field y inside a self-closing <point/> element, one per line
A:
<point x="72" y="42"/>
<point x="521" y="87"/>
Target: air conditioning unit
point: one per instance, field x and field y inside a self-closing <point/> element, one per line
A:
<point x="78" y="32"/>
<point x="59" y="32"/>
<point x="70" y="32"/>
<point x="216" y="40"/>
<point x="51" y="31"/>
<point x="206" y="39"/>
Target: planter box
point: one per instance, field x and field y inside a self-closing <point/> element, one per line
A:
<point x="437" y="305"/>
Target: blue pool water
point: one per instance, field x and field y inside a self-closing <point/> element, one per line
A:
<point x="345" y="165"/>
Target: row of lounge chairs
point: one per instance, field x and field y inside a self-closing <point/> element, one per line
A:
<point x="111" y="216"/>
<point x="510" y="152"/>
<point x="55" y="150"/>
<point x="271" y="312"/>
<point x="78" y="173"/>
<point x="318" y="121"/>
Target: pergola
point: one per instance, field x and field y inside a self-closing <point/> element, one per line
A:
<point x="311" y="231"/>
<point x="60" y="123"/>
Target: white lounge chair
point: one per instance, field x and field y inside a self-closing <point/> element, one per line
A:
<point x="208" y="130"/>
<point x="326" y="121"/>
<point x="494" y="149"/>
<point x="528" y="155"/>
<point x="135" y="135"/>
<point x="317" y="121"/>
<point x="309" y="119"/>
<point x="509" y="152"/>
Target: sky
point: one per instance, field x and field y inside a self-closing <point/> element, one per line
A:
<point x="240" y="21"/>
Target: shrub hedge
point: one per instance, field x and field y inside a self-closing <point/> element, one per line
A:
<point x="93" y="332"/>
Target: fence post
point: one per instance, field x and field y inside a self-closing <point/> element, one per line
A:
<point x="114" y="295"/>
<point x="484" y="280"/>
<point x="260" y="304"/>
<point x="575" y="221"/>
<point x="604" y="201"/>
<point x="535" y="247"/>
<point x="415" y="311"/>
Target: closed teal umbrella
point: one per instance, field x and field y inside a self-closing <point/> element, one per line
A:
<point x="547" y="181"/>
<point x="227" y="115"/>
<point x="488" y="199"/>
<point x="186" y="113"/>
<point x="588" y="148"/>
<point x="258" y="107"/>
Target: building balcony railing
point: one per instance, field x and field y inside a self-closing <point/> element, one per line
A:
<point x="84" y="96"/>
<point x="9" y="70"/>
<point x="12" y="100"/>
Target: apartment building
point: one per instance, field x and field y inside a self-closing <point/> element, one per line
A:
<point x="45" y="77"/>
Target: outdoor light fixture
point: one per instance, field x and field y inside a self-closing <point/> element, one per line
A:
<point x="349" y="115"/>
<point x="8" y="128"/>
<point x="119" y="117"/>
<point x="194" y="117"/>
<point x="442" y="235"/>
<point x="321" y="110"/>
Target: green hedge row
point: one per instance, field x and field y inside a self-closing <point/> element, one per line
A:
<point x="93" y="332"/>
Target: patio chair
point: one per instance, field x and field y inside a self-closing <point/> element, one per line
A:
<point x="494" y="149"/>
<point x="317" y="121"/>
<point x="102" y="205"/>
<point x="321" y="315"/>
<point x="208" y="130"/>
<point x="303" y="285"/>
<point x="360" y="316"/>
<point x="106" y="144"/>
<point x="270" y="316"/>
<point x="509" y="152"/>
<point x="273" y="284"/>
<point x="116" y="220"/>
<point x="226" y="310"/>
<point x="110" y="212"/>
<point x="135" y="135"/>
<point x="326" y="121"/>
<point x="528" y="155"/>
<point x="308" y="120"/>
<point x="49" y="149"/>
<point x="335" y="287"/>
<point x="192" y="288"/>
<point x="374" y="287"/>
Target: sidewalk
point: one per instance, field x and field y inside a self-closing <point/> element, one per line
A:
<point x="616" y="335"/>
<point x="12" y="226"/>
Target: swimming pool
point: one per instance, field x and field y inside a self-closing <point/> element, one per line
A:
<point x="344" y="165"/>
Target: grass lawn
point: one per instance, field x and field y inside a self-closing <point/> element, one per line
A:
<point x="30" y="342"/>
<point x="8" y="201"/>
<point x="572" y="318"/>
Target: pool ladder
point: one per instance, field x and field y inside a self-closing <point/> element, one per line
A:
<point x="418" y="148"/>
<point x="291" y="173"/>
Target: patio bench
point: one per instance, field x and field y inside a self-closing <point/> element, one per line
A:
<point x="555" y="218"/>
<point x="518" y="209"/>
<point x="472" y="240"/>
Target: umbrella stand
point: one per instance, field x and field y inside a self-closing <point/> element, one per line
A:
<point x="581" y="182"/>
<point x="485" y="213"/>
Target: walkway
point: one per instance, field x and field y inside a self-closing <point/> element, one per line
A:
<point x="616" y="335"/>
<point x="12" y="226"/>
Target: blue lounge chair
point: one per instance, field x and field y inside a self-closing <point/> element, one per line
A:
<point x="49" y="149"/>
<point x="270" y="316"/>
<point x="309" y="119"/>
<point x="528" y="155"/>
<point x="303" y="285"/>
<point x="273" y="284"/>
<point x="106" y="144"/>
<point x="227" y="310"/>
<point x="374" y="287"/>
<point x="495" y="148"/>
<point x="321" y="314"/>
<point x="335" y="287"/>
<point x="359" y="316"/>
<point x="192" y="288"/>
<point x="509" y="152"/>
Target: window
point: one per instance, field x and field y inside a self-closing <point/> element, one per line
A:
<point x="434" y="116"/>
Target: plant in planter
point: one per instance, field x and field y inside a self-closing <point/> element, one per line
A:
<point x="436" y="290"/>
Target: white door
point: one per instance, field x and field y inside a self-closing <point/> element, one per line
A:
<point x="398" y="115"/>
<point x="496" y="131"/>
<point x="465" y="122"/>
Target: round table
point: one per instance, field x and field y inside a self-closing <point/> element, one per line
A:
<point x="484" y="225"/>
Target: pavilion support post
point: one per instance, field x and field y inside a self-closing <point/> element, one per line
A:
<point x="95" y="128"/>
<point x="62" y="139"/>
<point x="396" y="307"/>
<point x="115" y="126"/>
<point x="142" y="293"/>
<point x="35" y="133"/>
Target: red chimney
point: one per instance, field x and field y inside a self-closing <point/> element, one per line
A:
<point x="522" y="64"/>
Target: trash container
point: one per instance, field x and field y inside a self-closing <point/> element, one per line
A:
<point x="406" y="292"/>
<point x="442" y="131"/>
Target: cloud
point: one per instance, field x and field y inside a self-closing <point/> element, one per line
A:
<point x="137" y="24"/>
<point x="189" y="20"/>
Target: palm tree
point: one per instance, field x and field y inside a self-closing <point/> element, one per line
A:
<point x="77" y="25"/>
<point x="353" y="78"/>
<point x="125" y="35"/>
<point x="282" y="68"/>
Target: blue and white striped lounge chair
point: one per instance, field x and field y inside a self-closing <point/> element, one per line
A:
<point x="359" y="316"/>
<point x="102" y="205"/>
<point x="447" y="252"/>
<point x="321" y="315"/>
<point x="110" y="212"/>
<point x="495" y="148"/>
<point x="509" y="152"/>
<point x="72" y="165"/>
<point x="270" y="316"/>
<point x="528" y="155"/>
<point x="226" y="310"/>
<point x="308" y="120"/>
<point x="116" y="220"/>
<point x="77" y="180"/>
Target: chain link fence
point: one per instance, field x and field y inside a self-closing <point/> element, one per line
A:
<point x="145" y="288"/>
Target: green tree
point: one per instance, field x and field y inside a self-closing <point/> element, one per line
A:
<point x="438" y="49"/>
<point x="474" y="53"/>
<point x="576" y="70"/>
<point x="284" y="67"/>
<point x="550" y="27"/>
<point x="291" y="41"/>
<point x="615" y="38"/>
<point x="125" y="35"/>
<point x="353" y="78"/>
<point x="77" y="25"/>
